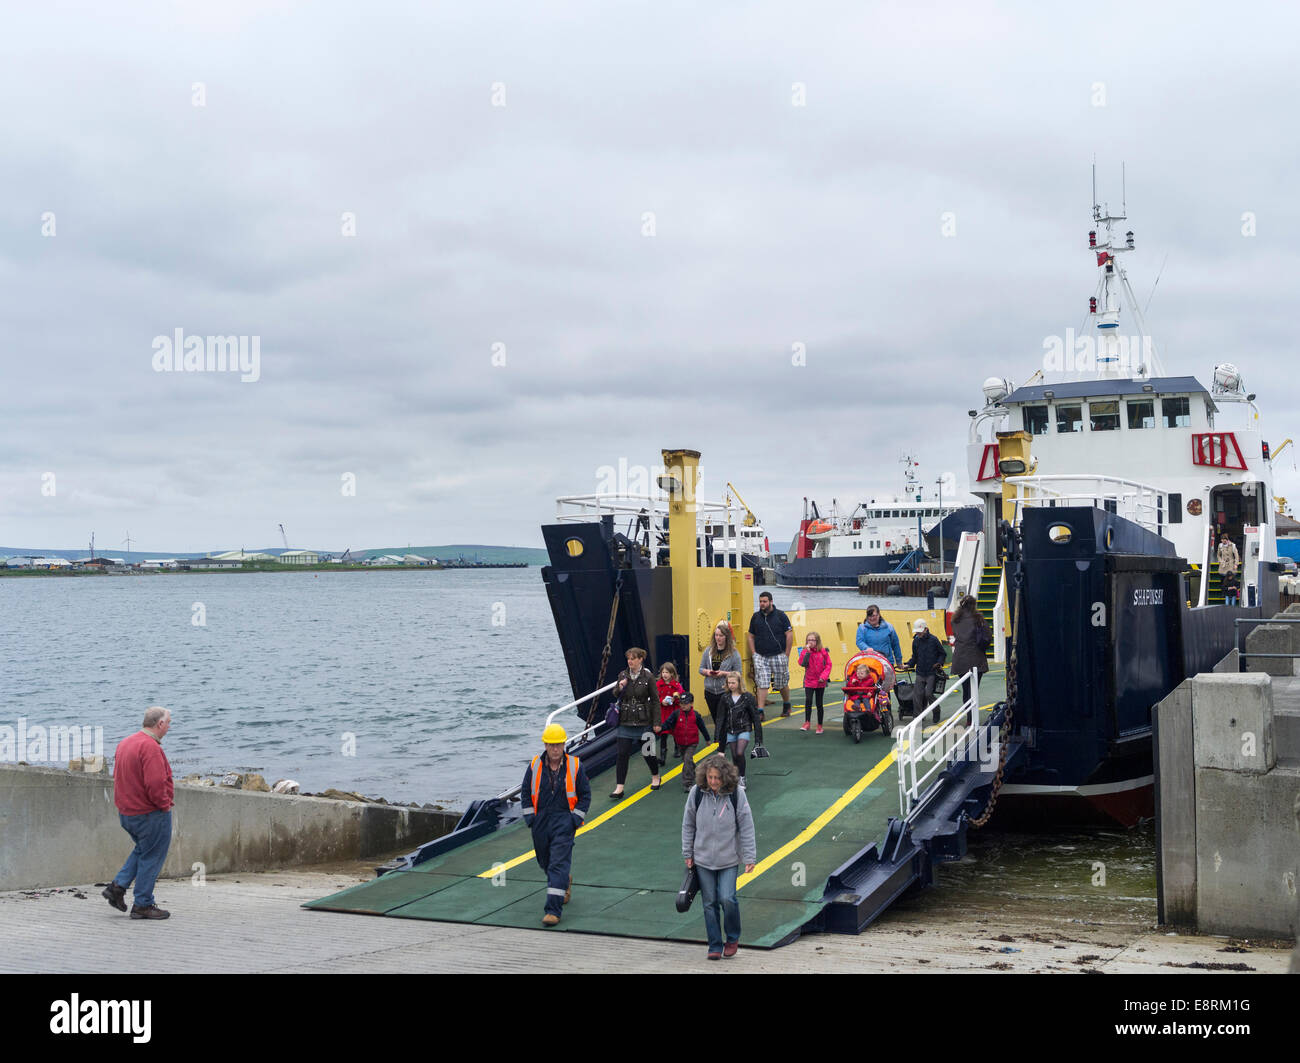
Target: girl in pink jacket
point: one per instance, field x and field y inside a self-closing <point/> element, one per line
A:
<point x="815" y="660"/>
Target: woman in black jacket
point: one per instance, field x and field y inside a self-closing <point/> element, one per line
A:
<point x="738" y="721"/>
<point x="638" y="718"/>
<point x="928" y="656"/>
<point x="971" y="639"/>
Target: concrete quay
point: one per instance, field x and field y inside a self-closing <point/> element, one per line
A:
<point x="1228" y="791"/>
<point x="253" y="923"/>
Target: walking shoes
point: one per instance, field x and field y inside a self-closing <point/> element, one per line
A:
<point x="729" y="949"/>
<point x="115" y="895"/>
<point x="152" y="912"/>
<point x="568" y="890"/>
<point x="550" y="920"/>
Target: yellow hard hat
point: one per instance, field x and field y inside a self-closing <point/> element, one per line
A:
<point x="554" y="733"/>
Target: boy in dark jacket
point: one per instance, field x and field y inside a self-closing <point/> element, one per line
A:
<point x="928" y="656"/>
<point x="686" y="725"/>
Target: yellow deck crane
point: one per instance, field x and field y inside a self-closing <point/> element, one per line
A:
<point x="750" y="520"/>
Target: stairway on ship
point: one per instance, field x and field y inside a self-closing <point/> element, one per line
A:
<point x="987" y="596"/>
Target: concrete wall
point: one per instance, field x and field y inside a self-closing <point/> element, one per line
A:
<point x="1176" y="807"/>
<point x="59" y="828"/>
<point x="1228" y="795"/>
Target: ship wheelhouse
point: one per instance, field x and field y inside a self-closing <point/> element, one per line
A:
<point x="1190" y="475"/>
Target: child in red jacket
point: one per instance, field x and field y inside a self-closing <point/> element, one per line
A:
<point x="670" y="692"/>
<point x="687" y="725"/>
<point x="815" y="660"/>
<point x="861" y="686"/>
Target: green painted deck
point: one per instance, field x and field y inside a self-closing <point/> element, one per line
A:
<point x="816" y="801"/>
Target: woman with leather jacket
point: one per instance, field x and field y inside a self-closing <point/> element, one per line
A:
<point x="739" y="721"/>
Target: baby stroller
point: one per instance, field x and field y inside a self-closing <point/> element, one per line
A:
<point x="904" y="689"/>
<point x="866" y="706"/>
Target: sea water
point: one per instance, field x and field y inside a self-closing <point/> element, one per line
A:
<point x="422" y="685"/>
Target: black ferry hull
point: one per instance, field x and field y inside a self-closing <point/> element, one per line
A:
<point x="1104" y="635"/>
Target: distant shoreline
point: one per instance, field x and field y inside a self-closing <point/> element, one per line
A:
<point x="327" y="567"/>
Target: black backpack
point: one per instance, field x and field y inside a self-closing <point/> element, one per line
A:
<point x="735" y="801"/>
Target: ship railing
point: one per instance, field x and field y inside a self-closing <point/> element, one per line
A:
<point x="1139" y="502"/>
<point x="573" y="741"/>
<point x="921" y="757"/>
<point x="582" y="509"/>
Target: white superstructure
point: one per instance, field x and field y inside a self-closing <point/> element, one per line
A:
<point x="1107" y="427"/>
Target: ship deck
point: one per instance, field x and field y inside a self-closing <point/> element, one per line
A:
<point x="817" y="801"/>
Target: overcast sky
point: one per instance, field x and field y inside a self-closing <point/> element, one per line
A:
<point x="798" y="160"/>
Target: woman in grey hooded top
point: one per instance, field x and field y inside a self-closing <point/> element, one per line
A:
<point x="717" y="836"/>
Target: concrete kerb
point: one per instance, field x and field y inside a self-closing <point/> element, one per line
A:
<point x="59" y="828"/>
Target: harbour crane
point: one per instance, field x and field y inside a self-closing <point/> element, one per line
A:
<point x="750" y="520"/>
<point x="285" y="538"/>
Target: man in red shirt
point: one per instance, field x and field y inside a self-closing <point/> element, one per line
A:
<point x="142" y="791"/>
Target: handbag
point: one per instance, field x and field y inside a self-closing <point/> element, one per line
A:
<point x="611" y="715"/>
<point x="690" y="887"/>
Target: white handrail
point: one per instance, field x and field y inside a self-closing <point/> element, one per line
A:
<point x="580" y="701"/>
<point x="943" y="746"/>
<point x="514" y="790"/>
<point x="1143" y="503"/>
<point x="1203" y="592"/>
<point x="1000" y="619"/>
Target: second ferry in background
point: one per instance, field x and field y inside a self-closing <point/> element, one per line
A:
<point x="898" y="534"/>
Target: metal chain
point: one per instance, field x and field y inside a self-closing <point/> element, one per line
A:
<point x="609" y="639"/>
<point x="1009" y="716"/>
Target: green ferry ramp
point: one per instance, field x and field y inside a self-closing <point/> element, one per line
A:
<point x="822" y="810"/>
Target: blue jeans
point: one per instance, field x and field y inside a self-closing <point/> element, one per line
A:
<point x="152" y="834"/>
<point x="718" y="891"/>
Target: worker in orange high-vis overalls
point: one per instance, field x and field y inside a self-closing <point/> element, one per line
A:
<point x="555" y="798"/>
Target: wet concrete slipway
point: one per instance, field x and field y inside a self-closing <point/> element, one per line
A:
<point x="990" y="913"/>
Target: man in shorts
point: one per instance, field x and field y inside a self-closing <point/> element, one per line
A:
<point x="770" y="637"/>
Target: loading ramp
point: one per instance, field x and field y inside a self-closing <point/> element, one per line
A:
<point x="835" y="847"/>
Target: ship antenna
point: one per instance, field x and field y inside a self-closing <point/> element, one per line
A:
<point x="1159" y="274"/>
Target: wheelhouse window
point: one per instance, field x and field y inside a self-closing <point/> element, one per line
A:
<point x="1142" y="413"/>
<point x="1036" y="422"/>
<point x="1177" y="412"/>
<point x="1069" y="419"/>
<point x="1103" y="416"/>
